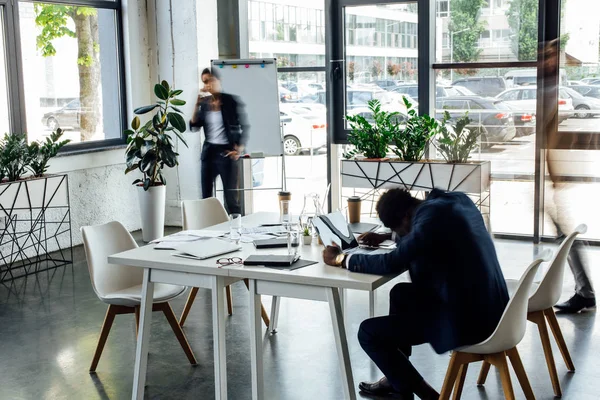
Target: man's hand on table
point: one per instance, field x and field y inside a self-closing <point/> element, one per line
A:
<point x="373" y="239"/>
<point x="332" y="255"/>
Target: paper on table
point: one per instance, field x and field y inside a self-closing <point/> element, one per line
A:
<point x="203" y="233"/>
<point x="171" y="245"/>
<point x="176" y="238"/>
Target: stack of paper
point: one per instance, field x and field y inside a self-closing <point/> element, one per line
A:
<point x="175" y="240"/>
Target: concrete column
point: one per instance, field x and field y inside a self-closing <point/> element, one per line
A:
<point x="183" y="38"/>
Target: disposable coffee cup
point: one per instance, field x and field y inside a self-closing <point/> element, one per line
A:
<point x="284" y="196"/>
<point x="354" y="209"/>
<point x="284" y="201"/>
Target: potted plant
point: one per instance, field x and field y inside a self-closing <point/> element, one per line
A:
<point x="149" y="149"/>
<point x="306" y="236"/>
<point x="41" y="152"/>
<point x="455" y="144"/>
<point x="412" y="141"/>
<point x="372" y="139"/>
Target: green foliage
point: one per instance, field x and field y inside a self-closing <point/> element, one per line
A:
<point x="150" y="146"/>
<point x="305" y="231"/>
<point x="53" y="19"/>
<point x="372" y="140"/>
<point x="523" y="21"/>
<point x="464" y="20"/>
<point x="14" y="156"/>
<point x="456" y="144"/>
<point x="413" y="140"/>
<point x="41" y="152"/>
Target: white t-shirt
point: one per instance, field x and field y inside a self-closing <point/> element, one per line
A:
<point x="214" y="128"/>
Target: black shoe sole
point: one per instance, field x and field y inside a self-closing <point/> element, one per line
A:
<point x="573" y="310"/>
<point x="388" y="395"/>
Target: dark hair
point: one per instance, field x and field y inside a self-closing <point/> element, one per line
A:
<point x="394" y="205"/>
<point x="213" y="72"/>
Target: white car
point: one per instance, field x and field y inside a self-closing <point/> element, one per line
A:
<point x="524" y="98"/>
<point x="304" y="127"/>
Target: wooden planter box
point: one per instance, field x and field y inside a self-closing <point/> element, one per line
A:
<point x="35" y="226"/>
<point x="472" y="178"/>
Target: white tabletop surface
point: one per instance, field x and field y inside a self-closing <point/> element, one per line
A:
<point x="318" y="274"/>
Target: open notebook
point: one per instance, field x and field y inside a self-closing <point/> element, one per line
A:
<point x="203" y="249"/>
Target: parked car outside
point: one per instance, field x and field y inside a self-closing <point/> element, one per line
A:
<point x="386" y="84"/>
<point x="524" y="98"/>
<point x="590" y="80"/>
<point x="588" y="90"/>
<point x="413" y="90"/>
<point x="287" y="96"/>
<point x="304" y="127"/>
<point x="582" y="104"/>
<point x="65" y="117"/>
<point x="320" y="97"/>
<point x="486" y="86"/>
<point x="490" y="116"/>
<point x="463" y="91"/>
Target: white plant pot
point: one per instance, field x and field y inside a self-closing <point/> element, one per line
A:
<point x="307" y="240"/>
<point x="152" y="211"/>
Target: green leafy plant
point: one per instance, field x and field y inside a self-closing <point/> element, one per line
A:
<point x="455" y="144"/>
<point x="14" y="156"/>
<point x="150" y="146"/>
<point x="413" y="140"/>
<point x="372" y="140"/>
<point x="306" y="231"/>
<point x="41" y="152"/>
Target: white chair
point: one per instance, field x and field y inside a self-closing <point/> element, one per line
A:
<point x="501" y="344"/>
<point x="200" y="214"/>
<point x="545" y="295"/>
<point x="120" y="286"/>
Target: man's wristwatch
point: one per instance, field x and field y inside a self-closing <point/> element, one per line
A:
<point x="339" y="260"/>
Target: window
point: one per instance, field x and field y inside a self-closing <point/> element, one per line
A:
<point x="71" y="72"/>
<point x="510" y="95"/>
<point x="4" y="111"/>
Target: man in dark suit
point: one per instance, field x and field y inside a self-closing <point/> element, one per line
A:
<point x="457" y="294"/>
<point x="226" y="134"/>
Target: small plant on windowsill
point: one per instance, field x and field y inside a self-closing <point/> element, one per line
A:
<point x="372" y="139"/>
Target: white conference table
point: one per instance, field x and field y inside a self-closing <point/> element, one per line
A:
<point x="318" y="282"/>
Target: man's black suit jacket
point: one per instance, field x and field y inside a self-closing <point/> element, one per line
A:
<point x="452" y="261"/>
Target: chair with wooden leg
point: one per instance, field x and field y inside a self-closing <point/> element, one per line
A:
<point x="120" y="286"/>
<point x="200" y="214"/>
<point x="500" y="345"/>
<point x="545" y="295"/>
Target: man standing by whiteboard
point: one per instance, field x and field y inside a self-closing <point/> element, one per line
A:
<point x="226" y="134"/>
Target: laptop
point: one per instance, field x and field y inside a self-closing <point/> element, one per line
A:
<point x="203" y="249"/>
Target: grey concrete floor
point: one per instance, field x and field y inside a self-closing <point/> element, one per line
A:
<point x="49" y="326"/>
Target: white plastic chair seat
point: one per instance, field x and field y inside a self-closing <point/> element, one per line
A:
<point x="512" y="284"/>
<point x="132" y="296"/>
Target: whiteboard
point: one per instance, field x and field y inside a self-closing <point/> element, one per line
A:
<point x="254" y="82"/>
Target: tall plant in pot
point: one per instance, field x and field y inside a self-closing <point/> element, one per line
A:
<point x="371" y="137"/>
<point x="412" y="141"/>
<point x="150" y="148"/>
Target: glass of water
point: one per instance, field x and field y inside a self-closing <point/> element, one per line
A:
<point x="293" y="238"/>
<point x="235" y="224"/>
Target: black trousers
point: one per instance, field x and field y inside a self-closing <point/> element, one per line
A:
<point x="215" y="164"/>
<point x="389" y="340"/>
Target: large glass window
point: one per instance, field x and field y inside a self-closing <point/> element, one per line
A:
<point x="4" y="111"/>
<point x="70" y="71"/>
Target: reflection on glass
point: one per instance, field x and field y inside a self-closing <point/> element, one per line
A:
<point x="574" y="157"/>
<point x="499" y="30"/>
<point x="4" y="127"/>
<point x="381" y="57"/>
<point x="69" y="68"/>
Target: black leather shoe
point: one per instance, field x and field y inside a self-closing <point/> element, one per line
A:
<point x="576" y="304"/>
<point x="382" y="388"/>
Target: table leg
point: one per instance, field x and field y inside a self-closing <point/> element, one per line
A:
<point x="274" y="314"/>
<point x="335" y="308"/>
<point x="342" y="300"/>
<point x="143" y="339"/>
<point x="371" y="304"/>
<point x="218" y="312"/>
<point x="256" y="341"/>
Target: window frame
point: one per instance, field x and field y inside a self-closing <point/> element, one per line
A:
<point x="15" y="72"/>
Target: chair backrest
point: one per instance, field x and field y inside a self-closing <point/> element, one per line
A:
<point x="550" y="289"/>
<point x="511" y="328"/>
<point x="101" y="241"/>
<point x="199" y="214"/>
